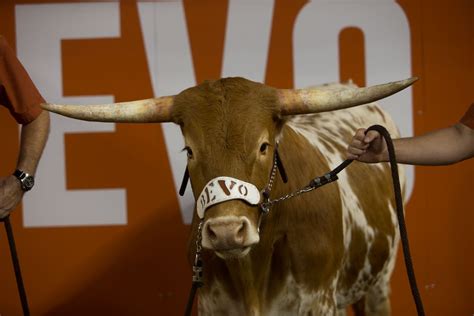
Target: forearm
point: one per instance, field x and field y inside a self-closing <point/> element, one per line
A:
<point x="33" y="140"/>
<point x="440" y="147"/>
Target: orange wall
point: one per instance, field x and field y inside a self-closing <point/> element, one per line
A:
<point x="141" y="268"/>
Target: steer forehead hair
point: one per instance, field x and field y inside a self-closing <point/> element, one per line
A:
<point x="215" y="102"/>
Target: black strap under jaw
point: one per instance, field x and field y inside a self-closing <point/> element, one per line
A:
<point x="184" y="182"/>
<point x="280" y="167"/>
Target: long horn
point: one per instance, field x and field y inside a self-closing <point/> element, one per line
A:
<point x="142" y="111"/>
<point x="305" y="101"/>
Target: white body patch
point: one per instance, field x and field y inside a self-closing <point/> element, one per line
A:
<point x="296" y="300"/>
<point x="223" y="189"/>
<point x="326" y="131"/>
<point x="218" y="302"/>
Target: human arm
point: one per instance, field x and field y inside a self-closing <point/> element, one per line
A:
<point x="440" y="147"/>
<point x="20" y="96"/>
<point x="32" y="143"/>
<point x="33" y="140"/>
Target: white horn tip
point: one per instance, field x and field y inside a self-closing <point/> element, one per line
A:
<point x="410" y="81"/>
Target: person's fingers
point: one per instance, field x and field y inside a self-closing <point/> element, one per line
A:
<point x="359" y="144"/>
<point x="359" y="134"/>
<point x="355" y="151"/>
<point x="352" y="157"/>
<point x="371" y="136"/>
<point x="10" y="194"/>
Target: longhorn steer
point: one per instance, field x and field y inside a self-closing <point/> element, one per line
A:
<point x="314" y="254"/>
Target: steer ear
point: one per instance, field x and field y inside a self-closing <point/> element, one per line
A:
<point x="142" y="111"/>
<point x="304" y="101"/>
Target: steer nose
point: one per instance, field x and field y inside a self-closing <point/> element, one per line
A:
<point x="229" y="232"/>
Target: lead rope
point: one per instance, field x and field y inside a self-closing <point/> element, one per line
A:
<point x="16" y="265"/>
<point x="314" y="184"/>
<point x="401" y="218"/>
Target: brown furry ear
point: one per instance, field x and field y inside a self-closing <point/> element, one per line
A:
<point x="280" y="122"/>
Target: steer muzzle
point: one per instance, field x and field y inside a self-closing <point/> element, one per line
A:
<point x="229" y="236"/>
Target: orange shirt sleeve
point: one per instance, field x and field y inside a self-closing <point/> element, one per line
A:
<point x="17" y="91"/>
<point x="468" y="118"/>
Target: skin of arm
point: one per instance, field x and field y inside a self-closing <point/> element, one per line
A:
<point x="33" y="139"/>
<point x="440" y="147"/>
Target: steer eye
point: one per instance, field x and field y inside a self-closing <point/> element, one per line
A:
<point x="189" y="152"/>
<point x="264" y="147"/>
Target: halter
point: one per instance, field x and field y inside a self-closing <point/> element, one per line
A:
<point x="225" y="188"/>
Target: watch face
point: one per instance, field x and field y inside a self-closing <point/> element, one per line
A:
<point x="28" y="183"/>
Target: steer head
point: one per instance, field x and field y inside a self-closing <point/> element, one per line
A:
<point x="230" y="127"/>
<point x="229" y="132"/>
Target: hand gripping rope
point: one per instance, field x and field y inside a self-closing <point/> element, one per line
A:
<point x="318" y="182"/>
<point x="16" y="265"/>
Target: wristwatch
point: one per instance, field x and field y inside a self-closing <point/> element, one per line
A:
<point x="27" y="181"/>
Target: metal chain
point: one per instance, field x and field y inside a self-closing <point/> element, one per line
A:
<point x="270" y="203"/>
<point x="267" y="202"/>
<point x="265" y="205"/>
<point x="314" y="184"/>
<point x="197" y="266"/>
<point x="273" y="174"/>
<point x="199" y="238"/>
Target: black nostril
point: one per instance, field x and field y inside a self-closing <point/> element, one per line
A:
<point x="211" y="233"/>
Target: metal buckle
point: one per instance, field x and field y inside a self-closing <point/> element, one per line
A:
<point x="265" y="207"/>
<point x="197" y="273"/>
<point x="325" y="179"/>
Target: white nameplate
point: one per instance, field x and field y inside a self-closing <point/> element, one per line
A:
<point x="223" y="189"/>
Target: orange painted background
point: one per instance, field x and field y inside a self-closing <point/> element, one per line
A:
<point x="141" y="268"/>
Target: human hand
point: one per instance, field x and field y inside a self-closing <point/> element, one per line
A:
<point x="10" y="194"/>
<point x="368" y="147"/>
